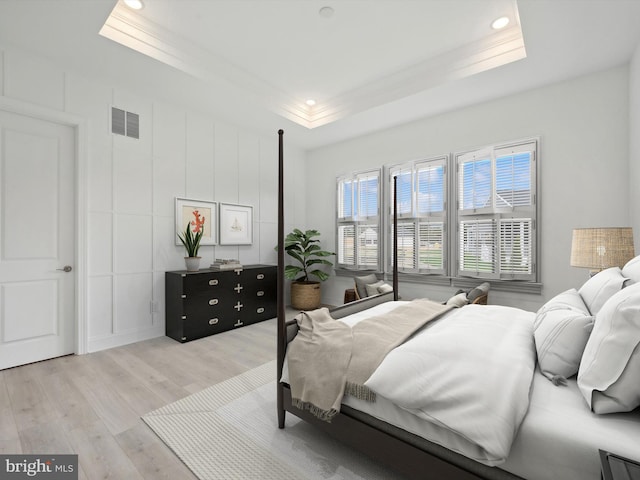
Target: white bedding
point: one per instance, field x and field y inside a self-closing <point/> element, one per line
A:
<point x="469" y="372"/>
<point x="558" y="438"/>
<point x="492" y="364"/>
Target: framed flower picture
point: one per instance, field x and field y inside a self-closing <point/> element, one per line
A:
<point x="236" y="224"/>
<point x="199" y="215"/>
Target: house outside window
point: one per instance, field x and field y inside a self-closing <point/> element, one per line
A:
<point x="496" y="212"/>
<point x="358" y="243"/>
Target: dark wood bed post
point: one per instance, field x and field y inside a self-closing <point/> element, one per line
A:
<point x="395" y="239"/>
<point x="282" y="332"/>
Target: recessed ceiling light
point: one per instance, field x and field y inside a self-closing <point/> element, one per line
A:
<point x="500" y="23"/>
<point x="311" y="102"/>
<point x="134" y="4"/>
<point x="326" y="12"/>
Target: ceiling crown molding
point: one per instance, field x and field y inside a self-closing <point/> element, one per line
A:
<point x="131" y="29"/>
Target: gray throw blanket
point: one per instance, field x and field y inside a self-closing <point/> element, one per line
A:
<point x="328" y="359"/>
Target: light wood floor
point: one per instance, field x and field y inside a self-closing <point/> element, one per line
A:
<point x="91" y="404"/>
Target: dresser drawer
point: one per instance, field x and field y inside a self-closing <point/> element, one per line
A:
<point x="208" y="283"/>
<point x="204" y="326"/>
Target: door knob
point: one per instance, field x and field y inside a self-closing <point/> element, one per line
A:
<point x="66" y="268"/>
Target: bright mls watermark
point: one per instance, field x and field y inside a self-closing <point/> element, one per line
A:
<point x="50" y="467"/>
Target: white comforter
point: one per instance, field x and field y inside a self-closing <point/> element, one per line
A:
<point x="469" y="372"/>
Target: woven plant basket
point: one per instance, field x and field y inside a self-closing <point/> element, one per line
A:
<point x="305" y="295"/>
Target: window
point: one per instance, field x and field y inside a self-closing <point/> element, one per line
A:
<point x="461" y="217"/>
<point x="497" y="212"/>
<point x="358" y="226"/>
<point x="421" y="197"/>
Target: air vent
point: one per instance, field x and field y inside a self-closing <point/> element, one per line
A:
<point x="133" y="125"/>
<point x="125" y="123"/>
<point x="118" y="125"/>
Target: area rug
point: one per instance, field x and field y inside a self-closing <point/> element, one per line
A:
<point x="229" y="431"/>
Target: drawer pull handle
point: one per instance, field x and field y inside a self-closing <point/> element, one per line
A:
<point x="213" y="282"/>
<point x="238" y="323"/>
<point x="184" y="317"/>
<point x="213" y="301"/>
<point x="260" y="293"/>
<point x="213" y="321"/>
<point x="260" y="276"/>
<point x="183" y="296"/>
<point x="261" y="310"/>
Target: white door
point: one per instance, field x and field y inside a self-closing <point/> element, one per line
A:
<point x="37" y="165"/>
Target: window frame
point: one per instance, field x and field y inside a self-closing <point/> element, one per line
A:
<point x="413" y="218"/>
<point x="358" y="221"/>
<point x="498" y="215"/>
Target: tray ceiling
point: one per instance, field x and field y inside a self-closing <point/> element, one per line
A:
<point x="283" y="53"/>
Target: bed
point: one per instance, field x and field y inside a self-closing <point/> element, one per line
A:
<point x="557" y="422"/>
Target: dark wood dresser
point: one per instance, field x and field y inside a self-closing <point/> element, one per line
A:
<point x="206" y="302"/>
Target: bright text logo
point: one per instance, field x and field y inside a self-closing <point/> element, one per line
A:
<point x="54" y="467"/>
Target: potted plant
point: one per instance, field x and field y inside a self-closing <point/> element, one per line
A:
<point x="305" y="276"/>
<point x="190" y="238"/>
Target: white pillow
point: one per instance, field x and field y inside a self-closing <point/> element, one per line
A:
<point x="384" y="288"/>
<point x="561" y="330"/>
<point x="569" y="299"/>
<point x="372" y="288"/>
<point x="459" y="300"/>
<point x="362" y="282"/>
<point x="599" y="288"/>
<point x="610" y="366"/>
<point x="632" y="269"/>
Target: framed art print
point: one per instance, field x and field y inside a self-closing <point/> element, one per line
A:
<point x="199" y="215"/>
<point x="236" y="224"/>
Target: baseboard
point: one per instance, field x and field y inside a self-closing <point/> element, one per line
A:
<point x="120" y="339"/>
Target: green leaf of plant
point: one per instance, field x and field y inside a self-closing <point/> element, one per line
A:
<point x="322" y="276"/>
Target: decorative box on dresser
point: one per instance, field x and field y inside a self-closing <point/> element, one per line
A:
<point x="202" y="303"/>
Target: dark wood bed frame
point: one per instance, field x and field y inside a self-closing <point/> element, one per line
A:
<point x="398" y="449"/>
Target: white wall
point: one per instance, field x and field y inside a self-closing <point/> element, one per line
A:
<point x="634" y="145"/>
<point x="132" y="185"/>
<point x="584" y="167"/>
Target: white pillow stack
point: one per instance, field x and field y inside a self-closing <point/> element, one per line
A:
<point x="609" y="374"/>
<point x="607" y="359"/>
<point x="574" y="329"/>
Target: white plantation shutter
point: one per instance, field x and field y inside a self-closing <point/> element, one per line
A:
<point x="431" y="246"/>
<point x="515" y="247"/>
<point x="367" y="195"/>
<point x="477" y="248"/>
<point x="430" y="187"/>
<point x="368" y="246"/>
<point x="406" y="245"/>
<point x="405" y="190"/>
<point x="497" y="212"/>
<point x="346" y="250"/>
<point x="345" y="199"/>
<point x="475" y="182"/>
<point x="513" y="178"/>
<point x="358" y="221"/>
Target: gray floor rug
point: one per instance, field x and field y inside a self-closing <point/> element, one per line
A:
<point x="229" y="431"/>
